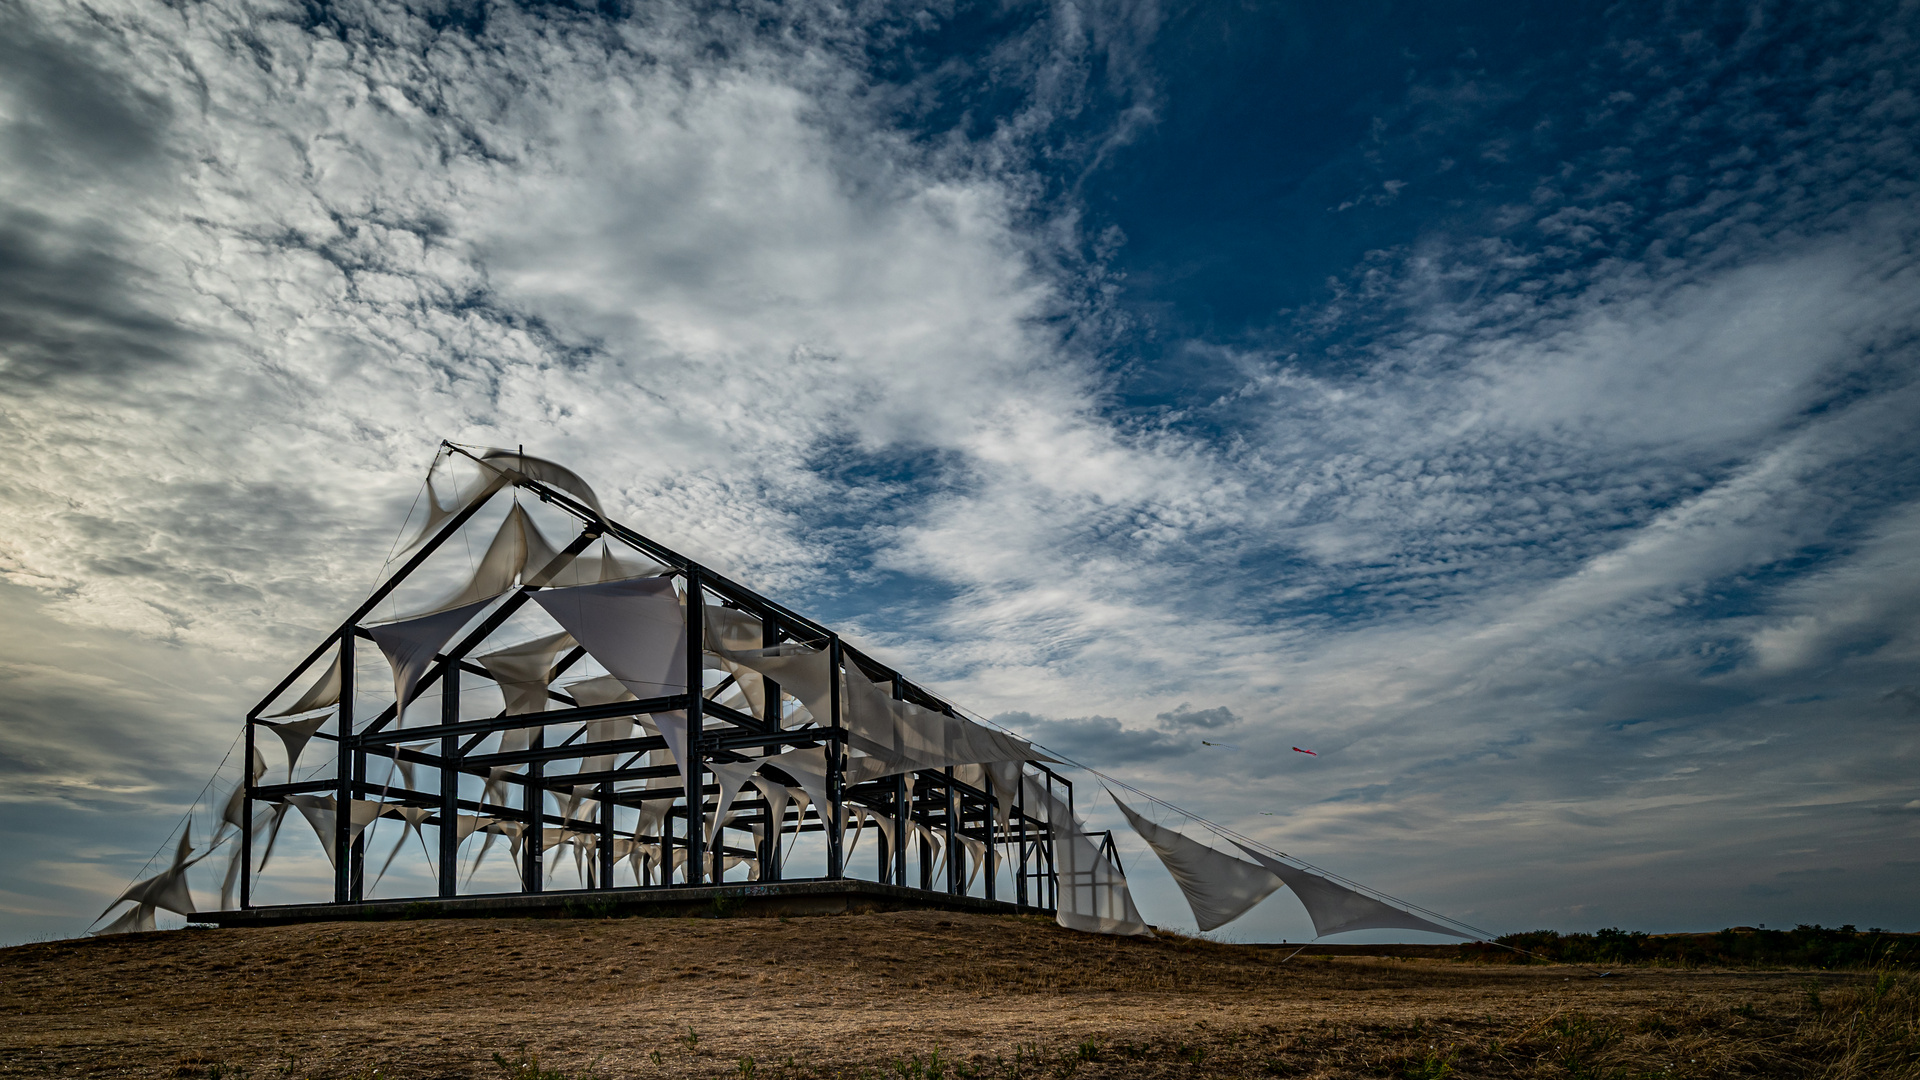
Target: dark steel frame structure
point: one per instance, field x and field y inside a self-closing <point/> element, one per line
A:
<point x="935" y="799"/>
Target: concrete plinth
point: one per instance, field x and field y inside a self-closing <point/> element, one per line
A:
<point x="747" y="899"/>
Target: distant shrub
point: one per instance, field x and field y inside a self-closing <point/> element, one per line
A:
<point x="1811" y="946"/>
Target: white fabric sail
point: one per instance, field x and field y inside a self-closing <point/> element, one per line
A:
<point x="731" y="776"/>
<point x="673" y="728"/>
<point x="911" y="737"/>
<point x="1219" y="888"/>
<point x="635" y="629"/>
<point x="168" y="889"/>
<point x="776" y="794"/>
<point x="517" y="466"/>
<point x="590" y="569"/>
<point x="801" y="670"/>
<point x="319" y="810"/>
<point x="414" y="816"/>
<point x="525" y="671"/>
<point x="134" y="920"/>
<point x="808" y="766"/>
<point x="517" y="550"/>
<point x="1094" y="897"/>
<point x="325" y="692"/>
<point x="1335" y="908"/>
<point x="976" y="858"/>
<point x="599" y="690"/>
<point x="411" y="644"/>
<point x="295" y="735"/>
<point x="447" y="494"/>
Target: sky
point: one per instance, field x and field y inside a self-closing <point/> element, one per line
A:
<point x="1517" y="406"/>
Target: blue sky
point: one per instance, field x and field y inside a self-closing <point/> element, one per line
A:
<point x="1514" y="406"/>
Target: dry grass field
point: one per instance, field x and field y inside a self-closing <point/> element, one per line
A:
<point x="904" y="995"/>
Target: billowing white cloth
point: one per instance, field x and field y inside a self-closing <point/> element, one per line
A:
<point x="801" y="671"/>
<point x="323" y="693"/>
<point x="976" y="857"/>
<point x="731" y="776"/>
<point x="414" y="816"/>
<point x="320" y="813"/>
<point x="517" y="466"/>
<point x="1219" y="888"/>
<point x="730" y="629"/>
<point x="599" y="690"/>
<point x="777" y="796"/>
<point x="295" y="735"/>
<point x="635" y="629"/>
<point x="910" y="737"/>
<point x="589" y="569"/>
<point x="134" y="920"/>
<point x="1093" y="891"/>
<point x="1335" y="909"/>
<point x="167" y="890"/>
<point x="517" y="551"/>
<point x="447" y="494"/>
<point x="411" y="644"/>
<point x="858" y="825"/>
<point x="524" y="671"/>
<point x="673" y="728"/>
<point x="808" y="766"/>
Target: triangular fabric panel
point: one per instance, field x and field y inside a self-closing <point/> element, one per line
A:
<point x="802" y="671"/>
<point x="295" y="734"/>
<point x="912" y="737"/>
<point x="520" y="466"/>
<point x="525" y="670"/>
<point x="1335" y="909"/>
<point x="319" y="812"/>
<point x="635" y="629"/>
<point x="1093" y="891"/>
<point x="731" y="776"/>
<point x="808" y="765"/>
<point x="410" y="644"/>
<point x="673" y="728"/>
<point x="1219" y="887"/>
<point x="503" y="564"/>
<point x="440" y="508"/>
<point x="323" y="693"/>
<point x="599" y="690"/>
<point x="136" y="919"/>
<point x="777" y="799"/>
<point x="167" y="890"/>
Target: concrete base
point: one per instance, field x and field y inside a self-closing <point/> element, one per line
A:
<point x="746" y="899"/>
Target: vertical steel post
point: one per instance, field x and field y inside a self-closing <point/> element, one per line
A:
<point x="358" y="848"/>
<point x="343" y="776"/>
<point x="449" y="784"/>
<point x="902" y="813"/>
<point x="770" y="856"/>
<point x="926" y="845"/>
<point x="696" y="719"/>
<point x="956" y="873"/>
<point x="246" y="815"/>
<point x="1020" y="818"/>
<point x="993" y="865"/>
<point x="534" y="801"/>
<point x="606" y="834"/>
<point x="835" y="751"/>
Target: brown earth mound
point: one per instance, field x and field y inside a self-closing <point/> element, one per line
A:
<point x="914" y="994"/>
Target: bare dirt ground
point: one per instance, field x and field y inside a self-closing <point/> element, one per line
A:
<point x="915" y="994"/>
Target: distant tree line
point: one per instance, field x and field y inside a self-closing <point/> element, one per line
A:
<point x="1810" y="946"/>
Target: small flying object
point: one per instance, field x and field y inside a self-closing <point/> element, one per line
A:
<point x="1222" y="745"/>
<point x="1309" y="753"/>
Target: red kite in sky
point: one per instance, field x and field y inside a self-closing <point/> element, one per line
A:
<point x="1309" y="753"/>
